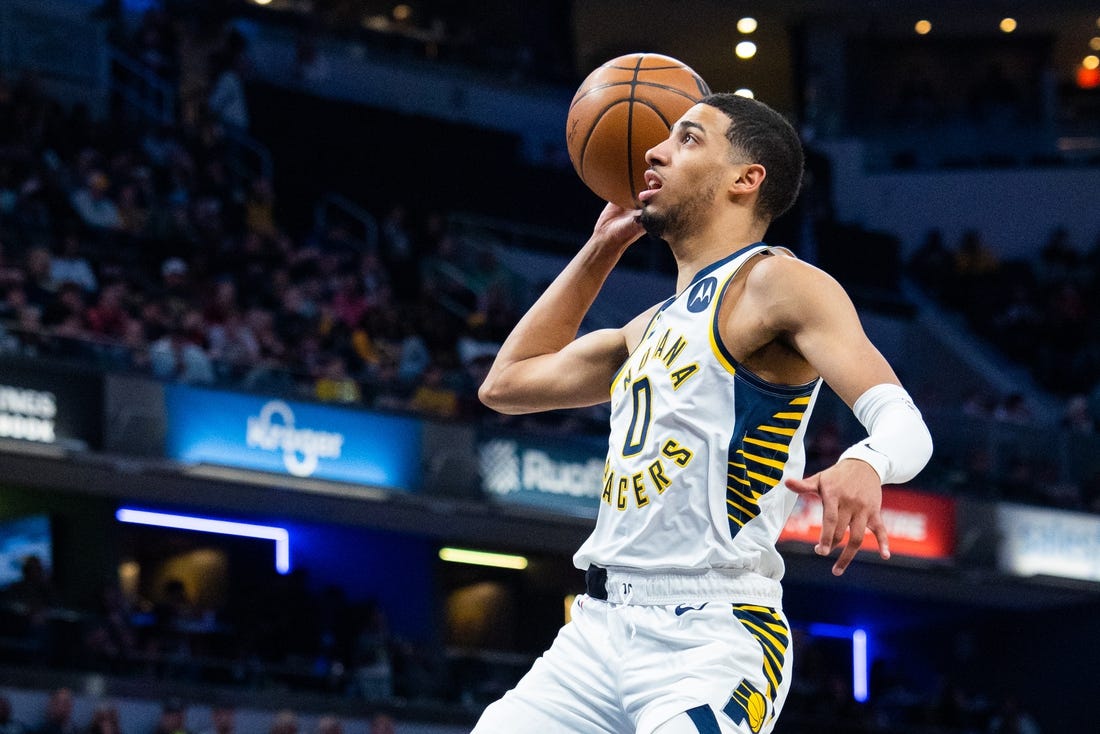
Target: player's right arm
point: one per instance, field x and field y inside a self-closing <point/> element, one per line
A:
<point x="543" y="365"/>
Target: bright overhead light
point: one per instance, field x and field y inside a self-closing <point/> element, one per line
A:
<point x="1008" y="24"/>
<point x="746" y="25"/>
<point x="482" y="558"/>
<point x="745" y="92"/>
<point x="745" y="50"/>
<point x="923" y="27"/>
<point x="1090" y="62"/>
<point x="218" y="527"/>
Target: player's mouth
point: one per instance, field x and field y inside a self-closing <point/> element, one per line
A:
<point x="653" y="185"/>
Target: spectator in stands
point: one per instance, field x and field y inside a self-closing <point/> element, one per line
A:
<point x="349" y="302"/>
<point x="227" y="101"/>
<point x="260" y="208"/>
<point x="233" y="345"/>
<point x="223" y="719"/>
<point x="1077" y="417"/>
<point x="93" y="203"/>
<point x="330" y="724"/>
<point x="173" y="613"/>
<point x="372" y="670"/>
<point x="334" y="384"/>
<point x="10" y="273"/>
<point x="285" y="722"/>
<point x="59" y="714"/>
<point x="382" y="724"/>
<point x="38" y="286"/>
<point x="173" y="717"/>
<point x="68" y="265"/>
<point x="108" y="317"/>
<point x="8" y="724"/>
<point x="105" y="720"/>
<point x="67" y="315"/>
<point x="111" y="638"/>
<point x="973" y="262"/>
<point x="176" y="356"/>
<point x="433" y="396"/>
<point x="398" y="253"/>
<point x="1014" y="409"/>
<point x="32" y="597"/>
<point x="133" y="209"/>
<point x="1011" y="719"/>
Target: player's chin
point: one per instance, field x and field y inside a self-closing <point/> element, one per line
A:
<point x="651" y="220"/>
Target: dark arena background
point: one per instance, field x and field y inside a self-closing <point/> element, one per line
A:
<point x="255" y="258"/>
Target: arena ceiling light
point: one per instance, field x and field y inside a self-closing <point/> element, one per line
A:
<point x="483" y="558"/>
<point x="218" y="527"/>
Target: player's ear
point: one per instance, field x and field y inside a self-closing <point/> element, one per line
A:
<point x="747" y="178"/>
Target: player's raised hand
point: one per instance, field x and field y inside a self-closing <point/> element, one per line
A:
<point x="618" y="226"/>
<point x="851" y="499"/>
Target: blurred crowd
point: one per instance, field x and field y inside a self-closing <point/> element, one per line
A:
<point x="141" y="248"/>
<point x="1040" y="312"/>
<point x="175" y="716"/>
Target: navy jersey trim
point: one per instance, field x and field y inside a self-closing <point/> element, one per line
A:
<point x="704" y="719"/>
<point x="743" y="372"/>
<point x="715" y="265"/>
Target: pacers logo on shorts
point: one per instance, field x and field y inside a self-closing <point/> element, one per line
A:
<point x="747" y="705"/>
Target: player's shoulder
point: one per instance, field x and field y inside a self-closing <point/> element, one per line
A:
<point x="779" y="270"/>
<point x="790" y="291"/>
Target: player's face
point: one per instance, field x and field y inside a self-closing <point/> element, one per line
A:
<point x="686" y="172"/>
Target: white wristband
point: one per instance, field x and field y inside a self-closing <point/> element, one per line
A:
<point x="898" y="444"/>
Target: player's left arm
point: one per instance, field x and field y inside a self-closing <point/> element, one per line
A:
<point x="810" y="311"/>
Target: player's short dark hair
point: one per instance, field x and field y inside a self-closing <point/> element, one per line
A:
<point x="765" y="136"/>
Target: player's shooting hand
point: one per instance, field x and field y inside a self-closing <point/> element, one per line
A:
<point x="618" y="226"/>
<point x="851" y="499"/>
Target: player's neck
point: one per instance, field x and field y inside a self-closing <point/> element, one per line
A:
<point x="698" y="250"/>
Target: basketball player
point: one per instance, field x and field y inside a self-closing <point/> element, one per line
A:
<point x="682" y="629"/>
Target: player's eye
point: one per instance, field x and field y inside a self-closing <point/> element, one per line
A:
<point x="688" y="138"/>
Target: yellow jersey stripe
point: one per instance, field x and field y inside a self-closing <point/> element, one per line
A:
<point x="751" y="498"/>
<point x="767" y="481"/>
<point x="781" y="646"/>
<point x="745" y="510"/>
<point x="767" y="444"/>
<point x="777" y="429"/>
<point x="765" y="461"/>
<point x="713" y="330"/>
<point x="804" y="400"/>
<point x="789" y="416"/>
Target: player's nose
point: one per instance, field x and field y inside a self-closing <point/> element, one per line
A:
<point x="656" y="155"/>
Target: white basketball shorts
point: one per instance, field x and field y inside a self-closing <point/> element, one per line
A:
<point x="625" y="666"/>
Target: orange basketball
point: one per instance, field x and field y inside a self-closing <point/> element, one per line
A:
<point x="621" y="110"/>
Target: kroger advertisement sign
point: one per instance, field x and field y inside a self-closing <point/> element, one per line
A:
<point x="299" y="439"/>
<point x="556" y="475"/>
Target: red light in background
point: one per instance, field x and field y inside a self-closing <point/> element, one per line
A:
<point x="1088" y="78"/>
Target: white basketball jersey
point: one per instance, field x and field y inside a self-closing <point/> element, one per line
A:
<point x="699" y="447"/>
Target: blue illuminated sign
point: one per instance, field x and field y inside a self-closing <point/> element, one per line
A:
<point x="299" y="439"/>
